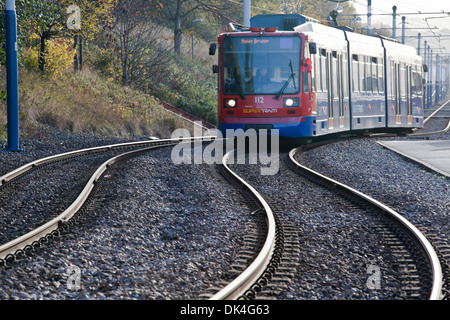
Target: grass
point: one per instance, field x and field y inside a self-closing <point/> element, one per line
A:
<point x="84" y="102"/>
<point x="94" y="102"/>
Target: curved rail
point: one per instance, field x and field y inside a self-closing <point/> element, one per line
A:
<point x="424" y="134"/>
<point x="11" y="247"/>
<point x="23" y="169"/>
<point x="436" y="291"/>
<point x="436" y="111"/>
<point x="250" y="275"/>
<point x="420" y="134"/>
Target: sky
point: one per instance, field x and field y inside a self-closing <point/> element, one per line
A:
<point x="431" y="23"/>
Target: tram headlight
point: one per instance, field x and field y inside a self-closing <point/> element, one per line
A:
<point x="290" y="102"/>
<point x="230" y="103"/>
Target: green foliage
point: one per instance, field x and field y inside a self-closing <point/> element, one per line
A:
<point x="24" y="15"/>
<point x="3" y="132"/>
<point x="59" y="57"/>
<point x="191" y="87"/>
<point x="44" y="38"/>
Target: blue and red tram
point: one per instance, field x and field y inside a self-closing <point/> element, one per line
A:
<point x="317" y="80"/>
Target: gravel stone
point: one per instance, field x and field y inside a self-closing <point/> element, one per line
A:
<point x="162" y="231"/>
<point x="155" y="231"/>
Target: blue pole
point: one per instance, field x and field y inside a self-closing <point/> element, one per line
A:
<point x="430" y="100"/>
<point x="429" y="93"/>
<point x="418" y="45"/>
<point x="438" y="79"/>
<point x="394" y="21"/>
<point x="12" y="85"/>
<point x="425" y="88"/>
<point x="403" y="29"/>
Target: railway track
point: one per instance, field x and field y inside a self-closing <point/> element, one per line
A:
<point x="82" y="194"/>
<point x="398" y="232"/>
<point x="269" y="274"/>
<point x="266" y="268"/>
<point x="266" y="261"/>
<point x="442" y="115"/>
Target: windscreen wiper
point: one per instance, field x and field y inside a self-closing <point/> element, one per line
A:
<point x="241" y="92"/>
<point x="238" y="84"/>
<point x="291" y="77"/>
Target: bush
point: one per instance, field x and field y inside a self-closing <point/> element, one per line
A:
<point x="191" y="87"/>
<point x="59" y="56"/>
<point x="185" y="83"/>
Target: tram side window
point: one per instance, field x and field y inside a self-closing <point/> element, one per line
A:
<point x="317" y="73"/>
<point x="374" y="74"/>
<point x="307" y="81"/>
<point x="334" y="78"/>
<point x="413" y="81"/>
<point x="355" y="73"/>
<point x="393" y="80"/>
<point x="402" y="84"/>
<point x="368" y="75"/>
<point x="420" y="79"/>
<point x="380" y="76"/>
<point x="416" y="86"/>
<point x="323" y="69"/>
<point x="362" y="75"/>
<point x="367" y="84"/>
<point x="345" y="74"/>
<point x="370" y="81"/>
<point x="313" y="73"/>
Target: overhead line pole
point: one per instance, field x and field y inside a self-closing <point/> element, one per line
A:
<point x="247" y="14"/>
<point x="12" y="82"/>
<point x="394" y="21"/>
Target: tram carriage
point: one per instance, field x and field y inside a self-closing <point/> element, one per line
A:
<point x="317" y="80"/>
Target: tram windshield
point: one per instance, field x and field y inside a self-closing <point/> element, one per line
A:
<point x="261" y="65"/>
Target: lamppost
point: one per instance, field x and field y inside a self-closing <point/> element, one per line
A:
<point x="194" y="21"/>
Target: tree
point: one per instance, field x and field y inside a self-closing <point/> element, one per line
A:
<point x="22" y="26"/>
<point x="49" y="18"/>
<point x="180" y="11"/>
<point x="95" y="15"/>
<point x="143" y="56"/>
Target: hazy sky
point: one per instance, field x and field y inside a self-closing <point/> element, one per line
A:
<point x="431" y="23"/>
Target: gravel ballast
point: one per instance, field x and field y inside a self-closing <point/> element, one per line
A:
<point x="160" y="231"/>
<point x="156" y="231"/>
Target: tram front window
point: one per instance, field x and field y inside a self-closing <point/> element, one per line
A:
<point x="261" y="65"/>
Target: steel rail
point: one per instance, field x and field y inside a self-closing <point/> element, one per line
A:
<point x="13" y="246"/>
<point x="436" y="291"/>
<point x="249" y="276"/>
<point x="436" y="111"/>
<point x="423" y="134"/>
<point x="23" y="169"/>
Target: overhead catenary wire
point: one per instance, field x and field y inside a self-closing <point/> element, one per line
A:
<point x="254" y="7"/>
